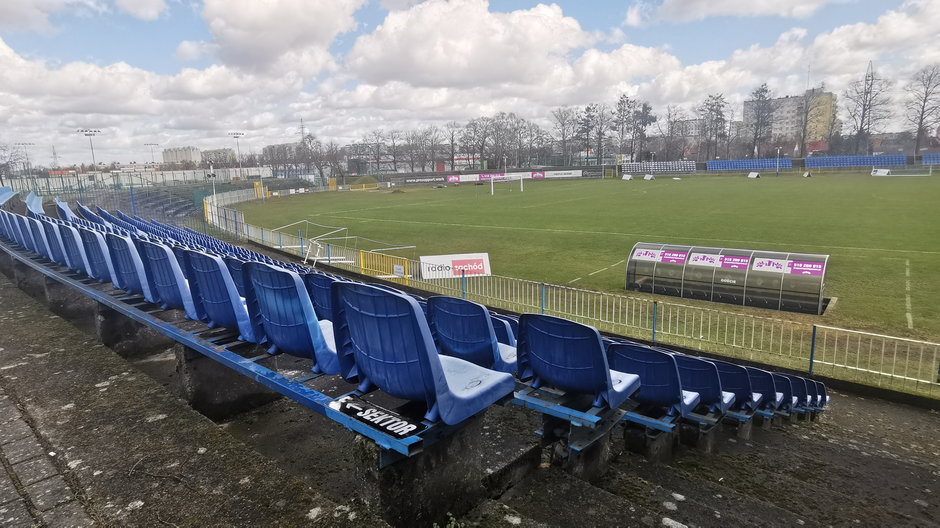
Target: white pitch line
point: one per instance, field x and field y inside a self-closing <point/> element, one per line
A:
<point x="907" y="295"/>
<point x="611" y="233"/>
<point x="574" y="281"/>
<point x="598" y="271"/>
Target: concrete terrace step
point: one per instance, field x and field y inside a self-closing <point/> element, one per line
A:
<point x="131" y="453"/>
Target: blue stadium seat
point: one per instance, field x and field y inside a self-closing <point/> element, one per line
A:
<point x="165" y="278"/>
<point x="503" y="330"/>
<point x="785" y="387"/>
<point x="385" y="335"/>
<point x="129" y="274"/>
<point x="214" y="294"/>
<point x="73" y="249"/>
<point x="463" y="329"/>
<point x="823" y="394"/>
<point x="54" y="241"/>
<point x="800" y="395"/>
<point x="234" y="265"/>
<point x="762" y="382"/>
<point x="277" y="299"/>
<point x="701" y="376"/>
<point x="735" y="379"/>
<point x="26" y="234"/>
<point x="661" y="386"/>
<point x="812" y="390"/>
<point x="570" y="356"/>
<point x="319" y="286"/>
<point x="40" y="244"/>
<point x="99" y="256"/>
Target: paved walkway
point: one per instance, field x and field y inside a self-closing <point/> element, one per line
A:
<point x="32" y="489"/>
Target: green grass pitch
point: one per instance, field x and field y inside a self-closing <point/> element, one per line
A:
<point x="578" y="232"/>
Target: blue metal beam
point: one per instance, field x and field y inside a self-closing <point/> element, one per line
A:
<point x="310" y="398"/>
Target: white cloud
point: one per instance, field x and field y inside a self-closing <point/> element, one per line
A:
<point x="644" y="11"/>
<point x="398" y="5"/>
<point x="143" y="9"/>
<point x="191" y="50"/>
<point x="463" y="43"/>
<point x="34" y="14"/>
<point x="278" y="35"/>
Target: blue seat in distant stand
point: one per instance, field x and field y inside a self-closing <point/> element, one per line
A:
<point x="278" y="299"/>
<point x="701" y="376"/>
<point x="661" y="386"/>
<point x="464" y="329"/>
<point x="214" y="294"/>
<point x="384" y="338"/>
<point x="570" y="356"/>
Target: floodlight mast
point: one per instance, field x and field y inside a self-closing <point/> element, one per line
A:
<point x="90" y="133"/>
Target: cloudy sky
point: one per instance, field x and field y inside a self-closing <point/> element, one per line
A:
<point x="187" y="72"/>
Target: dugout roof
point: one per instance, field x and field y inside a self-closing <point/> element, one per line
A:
<point x="793" y="282"/>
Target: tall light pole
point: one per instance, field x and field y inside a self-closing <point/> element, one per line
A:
<point x="90" y="133"/>
<point x="238" y="154"/>
<point x="29" y="172"/>
<point x="778" y="161"/>
<point x="151" y="145"/>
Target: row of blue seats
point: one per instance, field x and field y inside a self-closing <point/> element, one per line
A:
<point x="932" y="158"/>
<point x="749" y="164"/>
<point x="457" y="356"/>
<point x="881" y="160"/>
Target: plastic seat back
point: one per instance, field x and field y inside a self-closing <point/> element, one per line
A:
<point x="386" y="340"/>
<point x="319" y="286"/>
<point x="214" y="293"/>
<point x="74" y="249"/>
<point x="286" y="314"/>
<point x="699" y="376"/>
<point x="659" y="375"/>
<point x="98" y="255"/>
<point x="235" y="270"/>
<point x="386" y="335"/>
<point x="823" y="394"/>
<point x="799" y="389"/>
<point x="564" y="354"/>
<point x="26" y="233"/>
<point x="734" y="379"/>
<point x="503" y="329"/>
<point x="165" y="278"/>
<point x="783" y="385"/>
<point x="813" y="392"/>
<point x="40" y="246"/>
<point x="463" y="329"/>
<point x="763" y="382"/>
<point x="54" y="240"/>
<point x="128" y="267"/>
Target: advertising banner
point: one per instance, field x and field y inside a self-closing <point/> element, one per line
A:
<point x="769" y="264"/>
<point x="732" y="262"/>
<point x="673" y="257"/>
<point x="648" y="255"/>
<point x="426" y="179"/>
<point x="704" y="259"/>
<point x="799" y="267"/>
<point x="449" y="266"/>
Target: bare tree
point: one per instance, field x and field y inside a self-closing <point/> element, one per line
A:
<point x="394" y="138"/>
<point x="867" y="103"/>
<point x="603" y="118"/>
<point x="922" y="108"/>
<point x="334" y="156"/>
<point x="712" y="113"/>
<point x="476" y="136"/>
<point x="433" y="137"/>
<point x="9" y="157"/>
<point x="643" y="117"/>
<point x="669" y="128"/>
<point x="761" y="110"/>
<point x="376" y="141"/>
<point x="452" y="131"/>
<point x="622" y="122"/>
<point x="566" y="125"/>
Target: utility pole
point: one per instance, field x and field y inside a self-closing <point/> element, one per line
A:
<point x="778" y="161"/>
<point x="91" y="133"/>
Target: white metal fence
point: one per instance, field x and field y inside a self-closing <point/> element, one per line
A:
<point x="892" y="362"/>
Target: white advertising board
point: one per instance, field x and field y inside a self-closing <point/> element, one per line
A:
<point x="450" y="266"/>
